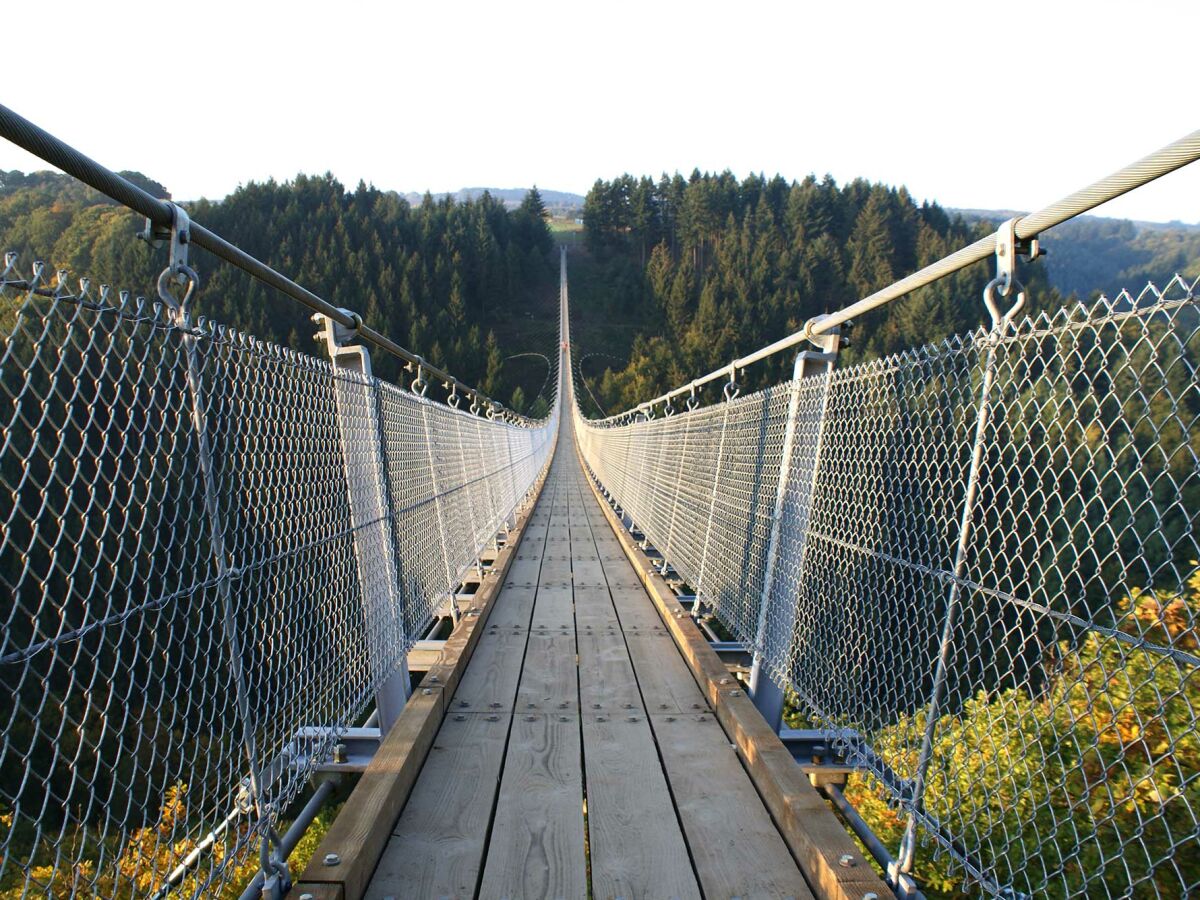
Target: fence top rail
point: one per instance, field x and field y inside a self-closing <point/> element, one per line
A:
<point x="161" y="213"/>
<point x="1161" y="162"/>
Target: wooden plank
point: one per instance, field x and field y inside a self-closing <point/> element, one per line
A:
<point x="556" y="567"/>
<point x="735" y="846"/>
<point x="537" y="846"/>
<point x="490" y="681"/>
<point x="554" y="607"/>
<point x="814" y="834"/>
<point x="438" y="844"/>
<point x="634" y="607"/>
<point x="666" y="683"/>
<point x="587" y="570"/>
<point x="525" y="570"/>
<point x="637" y="847"/>
<point x="549" y="680"/>
<point x="606" y="679"/>
<point x="360" y="833"/>
<point x="513" y="608"/>
<point x="594" y="607"/>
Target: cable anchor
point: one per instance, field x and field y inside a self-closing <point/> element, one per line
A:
<point x="177" y="271"/>
<point x="419" y="384"/>
<point x="1008" y="249"/>
<point x="731" y="389"/>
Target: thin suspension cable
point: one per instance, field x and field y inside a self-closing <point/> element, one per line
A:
<point x="41" y="143"/>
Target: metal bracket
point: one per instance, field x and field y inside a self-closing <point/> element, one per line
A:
<point x="338" y="338"/>
<point x="178" y="233"/>
<point x="1008" y="248"/>
<point x="828" y="343"/>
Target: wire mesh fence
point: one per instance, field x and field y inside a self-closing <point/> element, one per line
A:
<point x="985" y="590"/>
<point x="215" y="551"/>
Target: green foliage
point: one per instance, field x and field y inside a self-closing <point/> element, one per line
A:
<point x="158" y="848"/>
<point x="719" y="267"/>
<point x="1074" y="777"/>
<point x="430" y="276"/>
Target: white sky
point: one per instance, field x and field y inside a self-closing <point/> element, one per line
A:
<point x="972" y="104"/>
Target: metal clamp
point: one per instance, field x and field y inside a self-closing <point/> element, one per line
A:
<point x="692" y="401"/>
<point x="336" y="335"/>
<point x="1008" y="248"/>
<point x="177" y="270"/>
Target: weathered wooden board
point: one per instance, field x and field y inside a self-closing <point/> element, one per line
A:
<point x="606" y="679"/>
<point x="537" y="844"/>
<point x="554" y="607"/>
<point x="666" y="682"/>
<point x="437" y="847"/>
<point x="490" y="681"/>
<point x="550" y="680"/>
<point x="513" y="608"/>
<point x="736" y="848"/>
<point x="637" y="847"/>
<point x="594" y="607"/>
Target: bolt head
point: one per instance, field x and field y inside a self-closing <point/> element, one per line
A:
<point x="332" y="859"/>
<point x="846" y="861"/>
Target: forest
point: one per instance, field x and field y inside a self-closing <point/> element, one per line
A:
<point x="713" y="267"/>
<point x="454" y="281"/>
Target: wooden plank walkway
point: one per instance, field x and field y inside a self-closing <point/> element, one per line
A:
<point x="578" y="756"/>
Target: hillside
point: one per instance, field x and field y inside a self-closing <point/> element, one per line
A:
<point x="1094" y="254"/>
<point x="458" y="282"/>
<point x="561" y="204"/>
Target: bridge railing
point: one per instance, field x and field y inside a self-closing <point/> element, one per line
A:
<point x="973" y="569"/>
<point x="216" y="554"/>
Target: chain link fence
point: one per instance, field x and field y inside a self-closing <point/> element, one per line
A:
<point x="984" y="591"/>
<point x="215" y="551"/>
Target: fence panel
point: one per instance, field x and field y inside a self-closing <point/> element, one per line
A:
<point x="188" y="631"/>
<point x="1060" y="743"/>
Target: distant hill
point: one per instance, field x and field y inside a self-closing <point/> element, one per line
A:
<point x="1095" y="254"/>
<point x="559" y="203"/>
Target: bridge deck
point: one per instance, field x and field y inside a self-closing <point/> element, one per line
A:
<point x="578" y="747"/>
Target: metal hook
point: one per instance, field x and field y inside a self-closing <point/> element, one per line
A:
<point x="419" y="385"/>
<point x="452" y="400"/>
<point x="181" y="307"/>
<point x="1002" y="319"/>
<point x="692" y="401"/>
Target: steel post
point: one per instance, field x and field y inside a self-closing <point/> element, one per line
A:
<point x="360" y="425"/>
<point x="767" y="694"/>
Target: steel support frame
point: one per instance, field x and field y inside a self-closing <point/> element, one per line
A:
<point x="371" y="518"/>
<point x="767" y="695"/>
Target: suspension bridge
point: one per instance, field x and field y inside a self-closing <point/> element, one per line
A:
<point x="711" y="646"/>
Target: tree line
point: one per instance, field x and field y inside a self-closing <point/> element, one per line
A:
<point x="719" y="266"/>
<point x="441" y="278"/>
